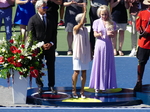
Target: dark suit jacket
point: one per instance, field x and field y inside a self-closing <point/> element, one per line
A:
<point x="39" y="32"/>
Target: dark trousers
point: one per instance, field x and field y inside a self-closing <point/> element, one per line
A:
<point x="143" y="57"/>
<point x="93" y="16"/>
<point x="50" y="63"/>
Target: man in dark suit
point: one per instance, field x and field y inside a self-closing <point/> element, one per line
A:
<point x="41" y="27"/>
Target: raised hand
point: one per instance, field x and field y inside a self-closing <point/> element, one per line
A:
<point x="84" y="8"/>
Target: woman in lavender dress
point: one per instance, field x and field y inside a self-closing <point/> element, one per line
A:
<point x="103" y="74"/>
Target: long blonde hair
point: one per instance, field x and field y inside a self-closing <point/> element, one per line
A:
<point x="109" y="21"/>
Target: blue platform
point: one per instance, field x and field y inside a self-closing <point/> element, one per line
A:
<point x="126" y="68"/>
<point x="125" y="97"/>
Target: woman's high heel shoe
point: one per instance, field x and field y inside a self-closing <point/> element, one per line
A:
<point x="82" y="95"/>
<point x="74" y="95"/>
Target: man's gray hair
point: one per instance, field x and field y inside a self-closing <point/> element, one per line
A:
<point x="39" y="3"/>
<point x="78" y="17"/>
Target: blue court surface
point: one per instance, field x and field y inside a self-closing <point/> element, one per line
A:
<point x="126" y="71"/>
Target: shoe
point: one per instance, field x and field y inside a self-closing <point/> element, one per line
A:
<point x="75" y="96"/>
<point x="61" y="23"/>
<point x="120" y="53"/>
<point x="138" y="87"/>
<point x="96" y="90"/>
<point x="40" y="90"/>
<point x="82" y="95"/>
<point x="133" y="52"/>
<point x="52" y="90"/>
<point x="69" y="53"/>
<point x="56" y="53"/>
<point x="115" y="52"/>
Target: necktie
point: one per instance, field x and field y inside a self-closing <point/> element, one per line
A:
<point x="44" y="21"/>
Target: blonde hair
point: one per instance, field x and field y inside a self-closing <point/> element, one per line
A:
<point x="109" y="22"/>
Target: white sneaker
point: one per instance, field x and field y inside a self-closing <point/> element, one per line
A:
<point x="133" y="52"/>
<point x="56" y="53"/>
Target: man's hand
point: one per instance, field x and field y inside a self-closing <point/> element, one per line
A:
<point x="47" y="46"/>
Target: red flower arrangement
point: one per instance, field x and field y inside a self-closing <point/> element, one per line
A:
<point x="17" y="54"/>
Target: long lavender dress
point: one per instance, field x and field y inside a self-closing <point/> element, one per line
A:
<point x="103" y="73"/>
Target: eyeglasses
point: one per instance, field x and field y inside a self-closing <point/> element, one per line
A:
<point x="44" y="7"/>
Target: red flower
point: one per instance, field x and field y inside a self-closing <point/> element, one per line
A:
<point x="33" y="55"/>
<point x="34" y="73"/>
<point x="14" y="49"/>
<point x="31" y="68"/>
<point x="11" y="41"/>
<point x="11" y="59"/>
<point x="19" y="51"/>
<point x="1" y="59"/>
<point x="22" y="57"/>
<point x="23" y="46"/>
<point x="17" y="64"/>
